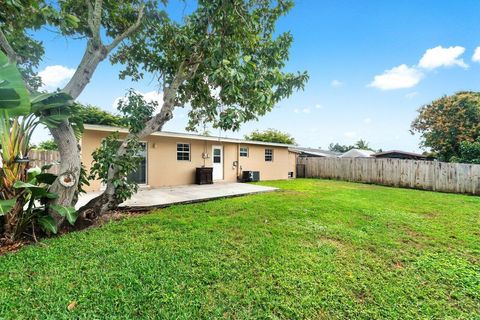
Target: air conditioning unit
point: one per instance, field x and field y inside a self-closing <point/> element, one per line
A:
<point x="250" y="176"/>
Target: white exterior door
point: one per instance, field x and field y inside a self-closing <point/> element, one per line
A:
<point x="217" y="162"/>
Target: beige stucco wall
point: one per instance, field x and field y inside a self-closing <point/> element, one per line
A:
<point x="292" y="163"/>
<point x="163" y="168"/>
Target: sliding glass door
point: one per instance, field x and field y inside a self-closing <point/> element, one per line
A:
<point x="140" y="175"/>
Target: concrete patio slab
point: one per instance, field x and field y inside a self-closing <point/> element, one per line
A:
<point x="163" y="197"/>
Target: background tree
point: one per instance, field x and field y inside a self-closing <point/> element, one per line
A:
<point x="469" y="152"/>
<point x="103" y="23"/>
<point x="337" y="147"/>
<point x="447" y="122"/>
<point x="360" y="144"/>
<point x="224" y="60"/>
<point x="90" y="114"/>
<point x="271" y="135"/>
<point x="47" y="145"/>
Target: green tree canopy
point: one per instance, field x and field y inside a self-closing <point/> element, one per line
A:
<point x="47" y="145"/>
<point x="469" y="152"/>
<point x="445" y="123"/>
<point x="91" y="114"/>
<point x="225" y="60"/>
<point x="271" y="135"/>
<point x="360" y="144"/>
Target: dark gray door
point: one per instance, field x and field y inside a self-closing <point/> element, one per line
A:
<point x="140" y="175"/>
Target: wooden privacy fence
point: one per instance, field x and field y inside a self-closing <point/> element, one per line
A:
<point x="425" y="175"/>
<point x="40" y="158"/>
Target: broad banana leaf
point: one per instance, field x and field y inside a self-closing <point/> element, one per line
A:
<point x="13" y="93"/>
<point x="68" y="212"/>
<point x="6" y="206"/>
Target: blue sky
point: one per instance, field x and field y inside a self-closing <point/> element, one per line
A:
<point x="372" y="64"/>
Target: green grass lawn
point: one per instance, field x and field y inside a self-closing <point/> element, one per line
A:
<point x="316" y="249"/>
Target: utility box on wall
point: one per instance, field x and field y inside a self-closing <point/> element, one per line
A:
<point x="250" y="176"/>
<point x="204" y="175"/>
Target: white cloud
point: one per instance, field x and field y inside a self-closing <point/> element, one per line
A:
<point x="350" y="134"/>
<point x="55" y="76"/>
<point x="304" y="110"/>
<point x="398" y="77"/>
<point x="336" y="83"/>
<point x="442" y="57"/>
<point x="148" y="96"/>
<point x="411" y="95"/>
<point x="153" y="96"/>
<point x="476" y="55"/>
<point x="367" y="120"/>
<point x="318" y="106"/>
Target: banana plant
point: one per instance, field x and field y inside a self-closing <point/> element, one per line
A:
<point x="36" y="195"/>
<point x="13" y="93"/>
<point x="15" y="134"/>
<point x="20" y="114"/>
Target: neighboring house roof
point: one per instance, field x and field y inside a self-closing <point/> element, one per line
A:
<point x="313" y="152"/>
<point x="95" y="127"/>
<point x="357" y="153"/>
<point x="400" y="154"/>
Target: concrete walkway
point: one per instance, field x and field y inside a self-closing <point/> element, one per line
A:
<point x="166" y="196"/>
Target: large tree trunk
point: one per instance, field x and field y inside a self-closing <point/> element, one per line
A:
<point x="70" y="165"/>
<point x="66" y="184"/>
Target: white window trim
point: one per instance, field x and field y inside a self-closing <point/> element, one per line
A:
<point x="265" y="155"/>
<point x="248" y="152"/>
<point x="189" y="151"/>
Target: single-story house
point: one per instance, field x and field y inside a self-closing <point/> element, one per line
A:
<point x="357" y="153"/>
<point x="398" y="154"/>
<point x="171" y="158"/>
<point x="313" y="152"/>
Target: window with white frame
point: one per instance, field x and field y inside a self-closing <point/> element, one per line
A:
<point x="269" y="155"/>
<point x="243" y="151"/>
<point x="183" y="151"/>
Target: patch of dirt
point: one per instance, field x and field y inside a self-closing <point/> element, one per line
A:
<point x="414" y="238"/>
<point x="431" y="214"/>
<point x="333" y="242"/>
<point x="292" y="192"/>
<point x="5" y="248"/>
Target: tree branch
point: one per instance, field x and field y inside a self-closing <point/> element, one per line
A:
<point x="90" y="17"/>
<point x="129" y="31"/>
<point x="5" y="45"/>
<point x="95" y="21"/>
